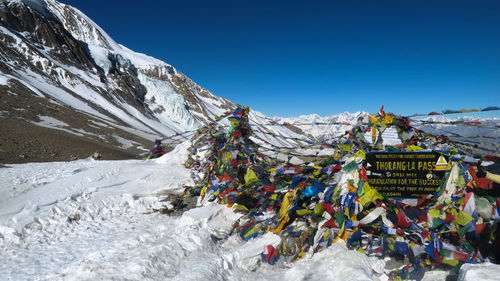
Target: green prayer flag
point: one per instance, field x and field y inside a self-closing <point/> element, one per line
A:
<point x="350" y="167"/>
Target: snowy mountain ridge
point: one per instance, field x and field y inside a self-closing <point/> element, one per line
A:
<point x="39" y="54"/>
<point x="324" y="127"/>
<point x="108" y="55"/>
<point x="57" y="64"/>
<point x="309" y="123"/>
<point x="60" y="54"/>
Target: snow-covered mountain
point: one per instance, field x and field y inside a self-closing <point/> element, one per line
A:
<point x="60" y="70"/>
<point x="480" y="134"/>
<point x="326" y="127"/>
<point x="68" y="89"/>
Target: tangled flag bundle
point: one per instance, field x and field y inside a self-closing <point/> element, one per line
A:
<point x="315" y="204"/>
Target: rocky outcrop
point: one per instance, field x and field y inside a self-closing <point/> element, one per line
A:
<point x="43" y="31"/>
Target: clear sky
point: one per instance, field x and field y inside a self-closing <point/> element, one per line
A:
<point x="288" y="58"/>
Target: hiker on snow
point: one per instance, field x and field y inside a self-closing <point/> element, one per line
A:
<point x="156" y="151"/>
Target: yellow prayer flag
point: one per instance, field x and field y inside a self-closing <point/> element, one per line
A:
<point x="369" y="197"/>
<point x="451" y="262"/>
<point x="336" y="155"/>
<point x="460" y="181"/>
<point x="234" y="122"/>
<point x="240" y="207"/>
<point x="252" y="231"/>
<point x="303" y="212"/>
<point x="285" y="205"/>
<point x="228" y="157"/>
<point x="346" y="213"/>
<point x="345" y="147"/>
<point x="361" y="154"/>
<point x="463" y="218"/>
<point x="250" y="177"/>
<point x="367" y="187"/>
<point x="326" y="235"/>
<point x="434" y="213"/>
<point x="318" y="209"/>
<point x="414" y="148"/>
<point x="278" y="229"/>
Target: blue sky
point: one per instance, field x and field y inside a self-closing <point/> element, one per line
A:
<point x="289" y="58"/>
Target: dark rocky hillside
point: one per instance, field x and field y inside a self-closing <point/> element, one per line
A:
<point x="48" y="73"/>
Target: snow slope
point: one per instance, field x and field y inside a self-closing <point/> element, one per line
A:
<point x="94" y="220"/>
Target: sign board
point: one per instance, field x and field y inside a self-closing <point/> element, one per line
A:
<point x="389" y="137"/>
<point x="405" y="174"/>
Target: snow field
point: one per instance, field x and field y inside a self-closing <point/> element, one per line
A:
<point x="95" y="222"/>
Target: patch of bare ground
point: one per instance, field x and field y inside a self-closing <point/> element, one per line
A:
<point x="76" y="134"/>
<point x="25" y="142"/>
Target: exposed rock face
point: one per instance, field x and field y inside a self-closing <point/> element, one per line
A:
<point x="68" y="85"/>
<point x="55" y="62"/>
<point x="45" y="32"/>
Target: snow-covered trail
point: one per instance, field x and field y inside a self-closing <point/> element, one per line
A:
<point x="94" y="220"/>
<point x="29" y="190"/>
